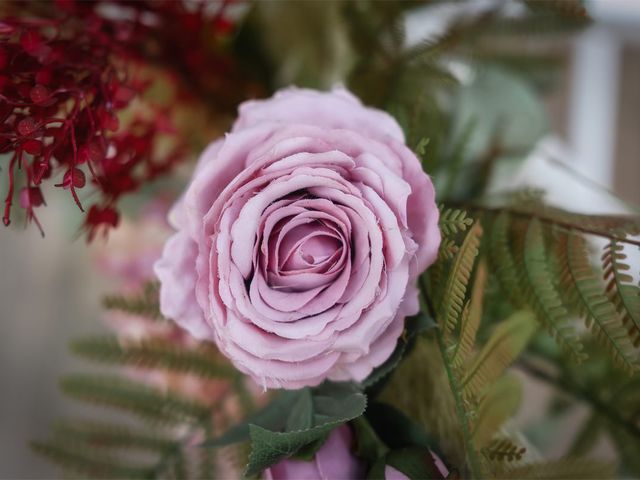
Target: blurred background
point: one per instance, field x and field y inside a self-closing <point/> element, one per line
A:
<point x="50" y="290"/>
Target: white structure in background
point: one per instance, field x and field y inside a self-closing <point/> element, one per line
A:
<point x="593" y="102"/>
<point x="594" y="86"/>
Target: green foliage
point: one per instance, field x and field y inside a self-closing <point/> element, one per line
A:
<point x="503" y="450"/>
<point x="453" y="295"/>
<point x="499" y="404"/>
<point x="583" y="291"/>
<point x="453" y="220"/>
<point x="128" y="395"/>
<point x="446" y="389"/>
<point x="507" y="341"/>
<point x="203" y="361"/>
<point x="146" y="304"/>
<point x="163" y="445"/>
<point x="623" y="294"/>
<point x="542" y="295"/>
<point x="295" y="421"/>
<point x="540" y="257"/>
<point x="470" y="320"/>
<point x="77" y="458"/>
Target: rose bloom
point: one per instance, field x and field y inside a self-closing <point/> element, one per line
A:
<point x="300" y="239"/>
<point x="335" y="461"/>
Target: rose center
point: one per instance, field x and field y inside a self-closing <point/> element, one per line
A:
<point x="309" y="246"/>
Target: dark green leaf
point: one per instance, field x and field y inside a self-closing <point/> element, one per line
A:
<point x="332" y="404"/>
<point x="273" y="417"/>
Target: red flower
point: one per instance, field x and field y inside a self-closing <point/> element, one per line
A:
<point x="63" y="80"/>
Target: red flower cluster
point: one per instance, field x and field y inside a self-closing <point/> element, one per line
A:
<point x="64" y="76"/>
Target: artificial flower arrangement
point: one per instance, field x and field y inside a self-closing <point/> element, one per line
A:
<point x="314" y="307"/>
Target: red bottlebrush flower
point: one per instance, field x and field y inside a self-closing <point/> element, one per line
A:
<point x="65" y="76"/>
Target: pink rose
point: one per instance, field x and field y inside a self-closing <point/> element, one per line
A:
<point x="334" y="461"/>
<point x="300" y="239"/>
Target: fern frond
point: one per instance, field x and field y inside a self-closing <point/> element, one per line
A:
<point x="453" y="220"/>
<point x="603" y="225"/>
<point x="622" y="293"/>
<point x="563" y="469"/>
<point x="76" y="458"/>
<point x="146" y="304"/>
<point x="109" y="435"/>
<point x="584" y="291"/>
<point x="202" y="361"/>
<point x="470" y="321"/>
<point x="542" y="294"/>
<point x="503" y="450"/>
<point x="146" y="402"/>
<point x="448" y="249"/>
<point x="453" y="295"/>
<point x="499" y="404"/>
<point x="505" y="344"/>
<point x="503" y="260"/>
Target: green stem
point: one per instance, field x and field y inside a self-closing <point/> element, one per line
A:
<point x="472" y="457"/>
<point x="473" y="207"/>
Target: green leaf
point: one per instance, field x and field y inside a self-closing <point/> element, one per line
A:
<point x="333" y="404"/>
<point x="273" y="417"/>
<point x="301" y="415"/>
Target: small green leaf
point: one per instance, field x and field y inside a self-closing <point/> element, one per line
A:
<point x="331" y="405"/>
<point x="272" y="417"/>
<point x="301" y="416"/>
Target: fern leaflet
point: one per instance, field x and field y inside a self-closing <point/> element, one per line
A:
<point x="453" y="295"/>
<point x="505" y="344"/>
<point x="543" y="297"/>
<point x="584" y="292"/>
<point x="623" y="294"/>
